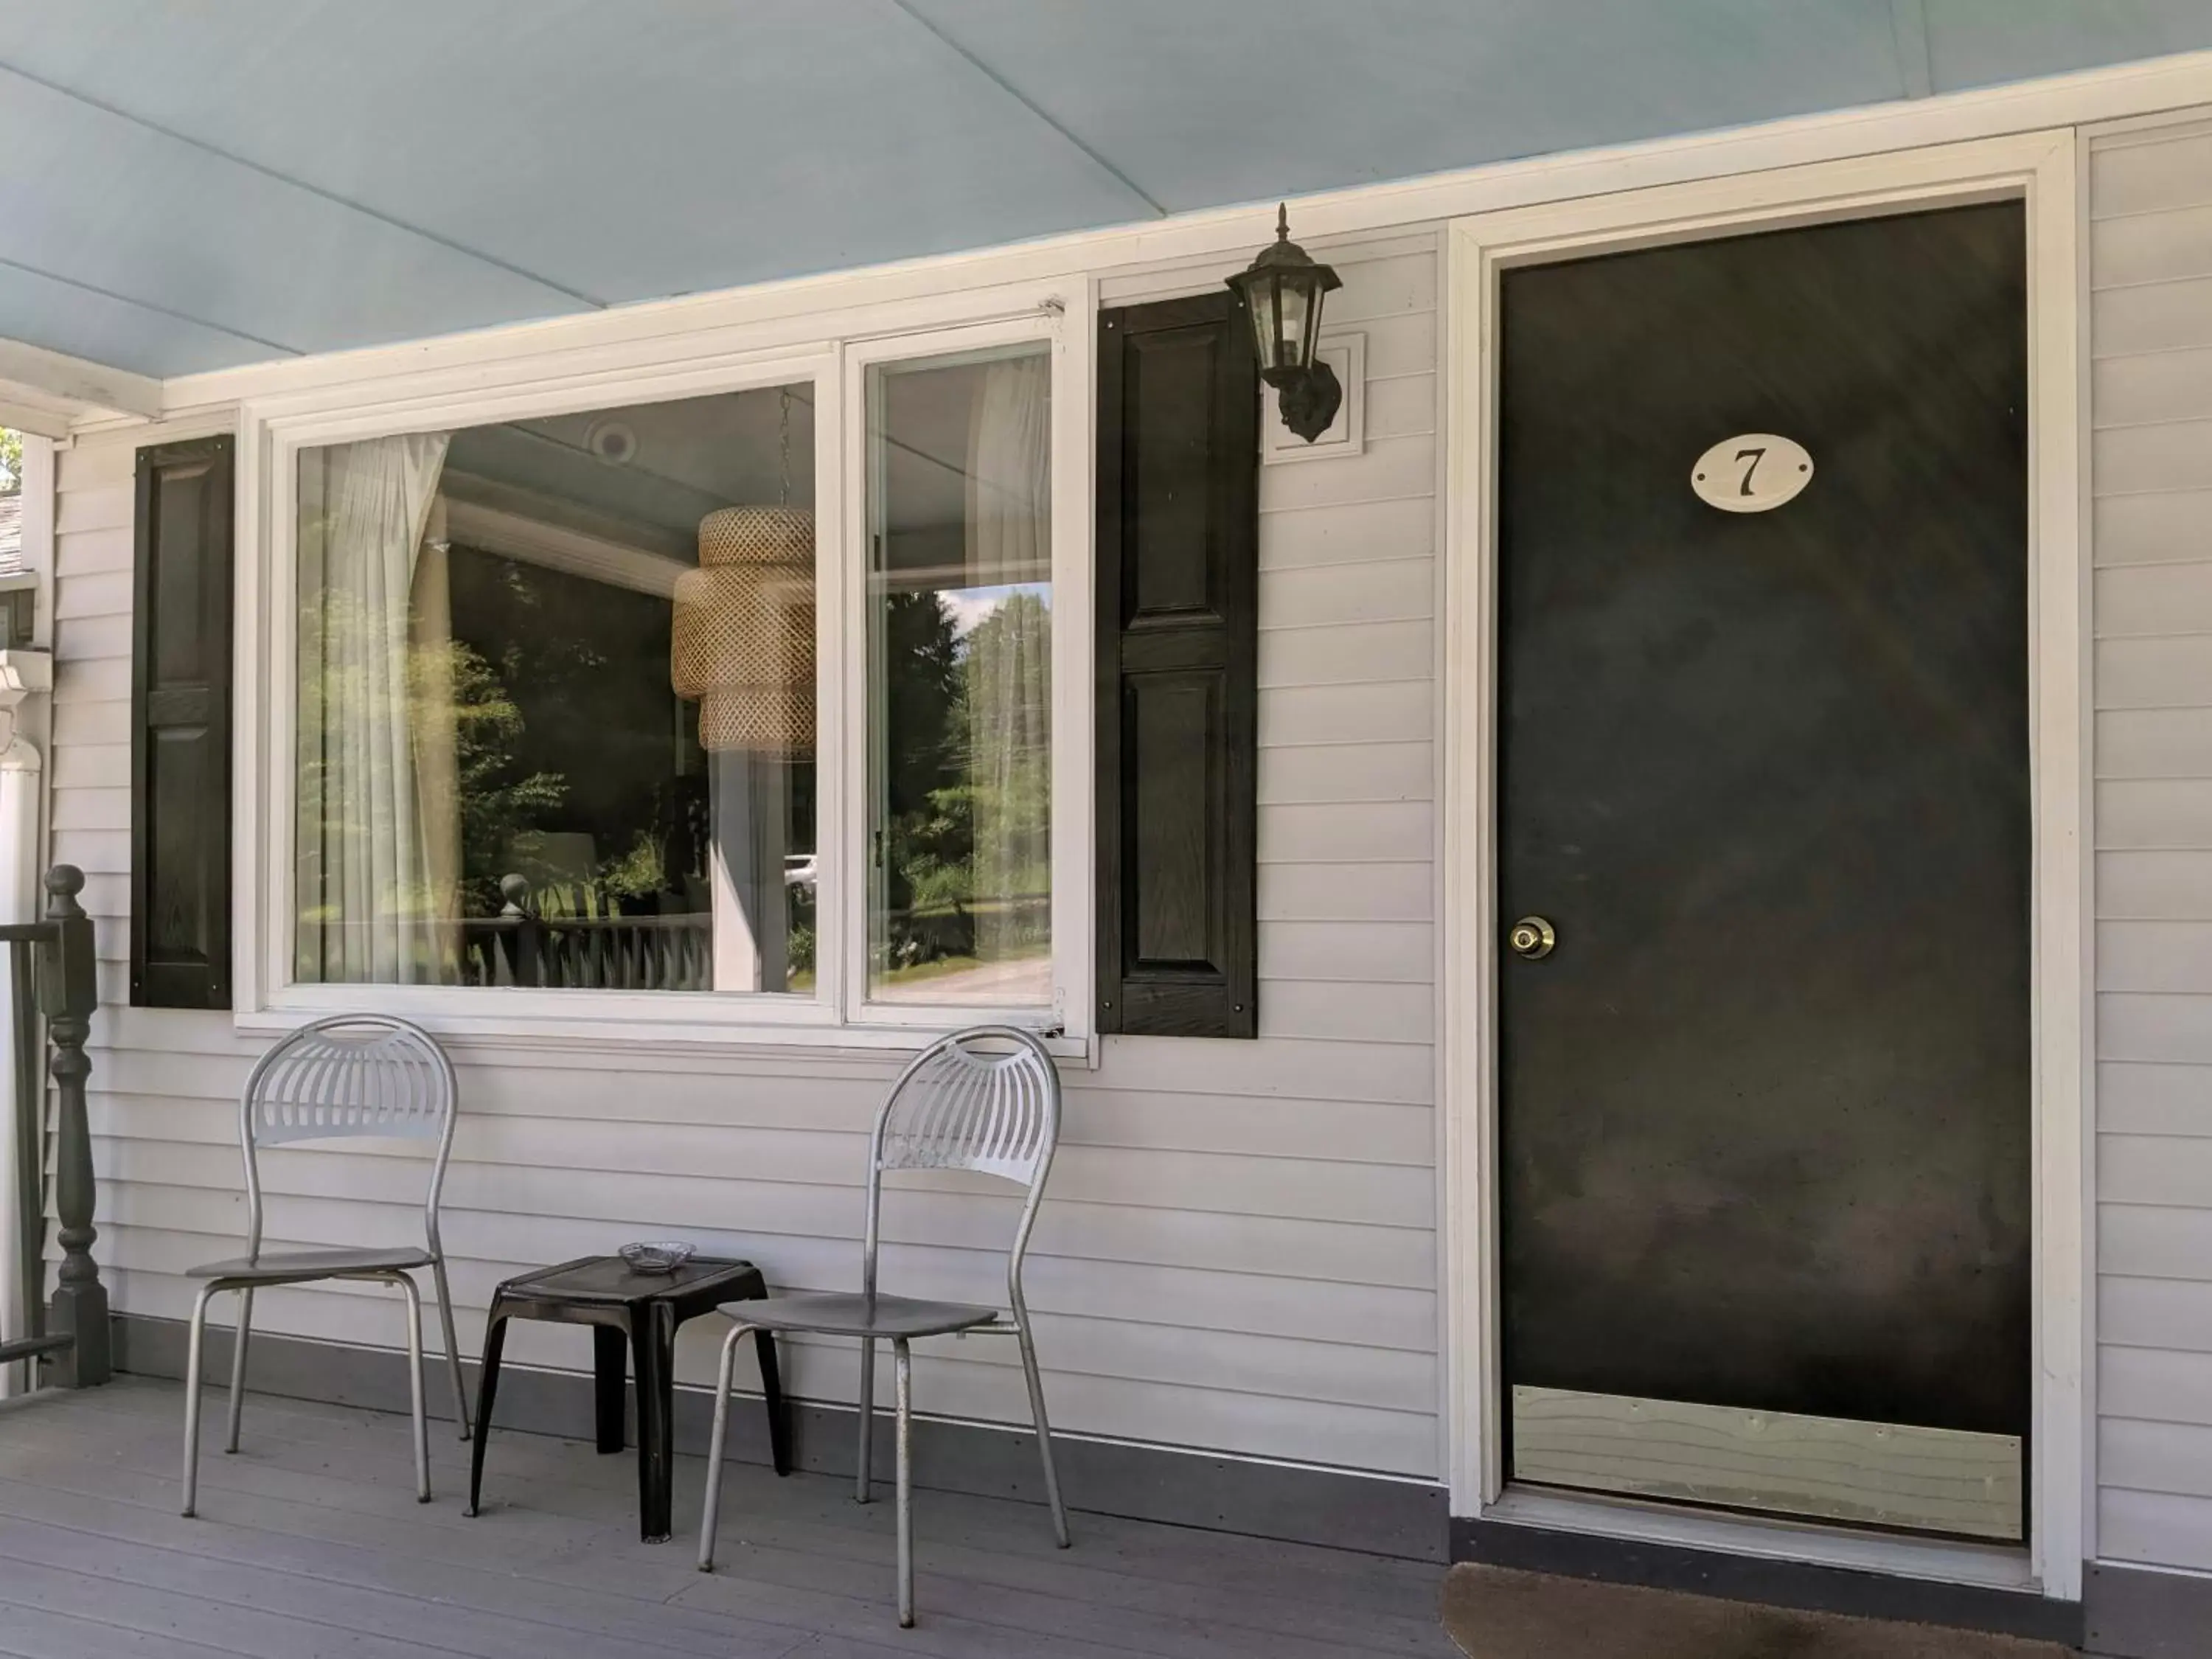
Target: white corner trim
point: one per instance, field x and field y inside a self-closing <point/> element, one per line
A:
<point x="2041" y="168"/>
<point x="901" y="295"/>
<point x="2069" y="295"/>
<point x="38" y="531"/>
<point x="2063" y="971"/>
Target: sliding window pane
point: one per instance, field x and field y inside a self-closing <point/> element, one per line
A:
<point x="556" y="707"/>
<point x="960" y="670"/>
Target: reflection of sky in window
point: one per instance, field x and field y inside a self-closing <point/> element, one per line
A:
<point x="968" y="606"/>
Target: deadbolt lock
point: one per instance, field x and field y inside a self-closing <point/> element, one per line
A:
<point x="1532" y="937"/>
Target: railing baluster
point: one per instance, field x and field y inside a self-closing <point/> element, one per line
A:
<point x="515" y="890"/>
<point x="26" y="1099"/>
<point x="584" y="944"/>
<point x="69" y="990"/>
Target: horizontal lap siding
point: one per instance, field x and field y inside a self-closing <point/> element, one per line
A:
<point x="1238" y="1251"/>
<point x="2151" y="483"/>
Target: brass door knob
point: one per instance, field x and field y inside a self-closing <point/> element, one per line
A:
<point x="1532" y="937"/>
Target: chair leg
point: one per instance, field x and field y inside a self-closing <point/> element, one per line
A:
<point x="415" y="1385"/>
<point x="711" y="1506"/>
<point x="865" y="1458"/>
<point x="193" y="1348"/>
<point x="904" y="1358"/>
<point x="453" y="1347"/>
<point x="1043" y="1433"/>
<point x="238" y="1342"/>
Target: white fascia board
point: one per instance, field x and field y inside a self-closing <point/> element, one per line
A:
<point x="47" y="392"/>
<point x="38" y="418"/>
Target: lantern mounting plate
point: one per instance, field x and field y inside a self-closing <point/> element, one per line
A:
<point x="1308" y="398"/>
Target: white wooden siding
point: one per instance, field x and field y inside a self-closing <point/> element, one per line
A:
<point x="2150" y="196"/>
<point x="1238" y="1251"/>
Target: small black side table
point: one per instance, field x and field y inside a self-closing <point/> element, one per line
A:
<point x="641" y="1311"/>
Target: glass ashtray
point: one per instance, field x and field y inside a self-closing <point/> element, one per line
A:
<point x="660" y="1256"/>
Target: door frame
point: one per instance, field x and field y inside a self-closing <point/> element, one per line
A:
<point x="2041" y="169"/>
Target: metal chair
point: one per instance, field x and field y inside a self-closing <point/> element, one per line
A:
<point x="348" y="1075"/>
<point x="986" y="1099"/>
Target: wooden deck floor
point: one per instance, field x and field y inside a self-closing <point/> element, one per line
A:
<point x="310" y="1543"/>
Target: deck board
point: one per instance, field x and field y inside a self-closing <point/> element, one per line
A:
<point x="309" y="1542"/>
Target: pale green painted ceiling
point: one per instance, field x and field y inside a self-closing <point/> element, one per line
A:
<point x="187" y="187"/>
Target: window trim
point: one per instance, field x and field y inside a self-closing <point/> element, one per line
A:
<point x="1072" y="861"/>
<point x="273" y="433"/>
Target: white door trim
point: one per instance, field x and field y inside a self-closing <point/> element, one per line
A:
<point x="2041" y="168"/>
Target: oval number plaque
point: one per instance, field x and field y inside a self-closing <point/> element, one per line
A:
<point x="1750" y="472"/>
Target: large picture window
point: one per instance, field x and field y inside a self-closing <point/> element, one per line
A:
<point x="751" y="704"/>
<point x="555" y="712"/>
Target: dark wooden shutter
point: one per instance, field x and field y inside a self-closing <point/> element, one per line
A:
<point x="1178" y="645"/>
<point x="180" y="707"/>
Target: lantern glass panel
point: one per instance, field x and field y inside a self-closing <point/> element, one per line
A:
<point x="960" y="600"/>
<point x="1301" y="320"/>
<point x="1261" y="294"/>
<point x="497" y="781"/>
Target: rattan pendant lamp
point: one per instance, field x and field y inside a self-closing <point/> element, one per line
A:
<point x="743" y="643"/>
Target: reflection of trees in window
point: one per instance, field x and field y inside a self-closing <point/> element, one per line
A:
<point x="359" y="674"/>
<point x="1006" y="710"/>
<point x="570" y="740"/>
<point x="968" y="765"/>
<point x="926" y="851"/>
<point x="499" y="800"/>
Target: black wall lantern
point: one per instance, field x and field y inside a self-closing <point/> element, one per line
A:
<point x="1283" y="287"/>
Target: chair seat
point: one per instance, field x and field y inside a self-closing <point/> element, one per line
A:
<point x="297" y="1267"/>
<point x="842" y="1315"/>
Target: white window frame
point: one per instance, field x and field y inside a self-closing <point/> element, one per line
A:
<point x="1071" y="646"/>
<point x="274" y="433"/>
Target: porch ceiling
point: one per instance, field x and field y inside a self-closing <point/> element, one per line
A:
<point x="189" y="187"/>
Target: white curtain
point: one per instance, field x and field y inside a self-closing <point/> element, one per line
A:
<point x="378" y="834"/>
<point x="1009" y="474"/>
<point x="1007" y="671"/>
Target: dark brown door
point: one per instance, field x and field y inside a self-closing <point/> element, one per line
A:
<point x="1765" y="1109"/>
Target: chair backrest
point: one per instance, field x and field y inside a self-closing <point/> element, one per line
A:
<point x="343" y="1076"/>
<point x="985" y="1099"/>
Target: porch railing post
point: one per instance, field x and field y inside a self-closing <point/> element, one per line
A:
<point x="69" y="990"/>
<point x="515" y="889"/>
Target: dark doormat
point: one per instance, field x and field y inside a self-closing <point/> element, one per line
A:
<point x="1496" y="1613"/>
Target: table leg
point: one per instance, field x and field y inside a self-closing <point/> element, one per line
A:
<point x="779" y="1416"/>
<point x="652" y="1337"/>
<point x="608" y="1362"/>
<point x="487" y="1387"/>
